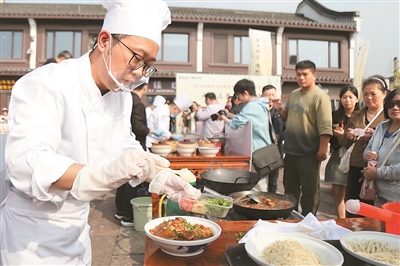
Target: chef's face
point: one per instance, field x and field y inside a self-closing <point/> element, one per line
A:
<point x="128" y="58"/>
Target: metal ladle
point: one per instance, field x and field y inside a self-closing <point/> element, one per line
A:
<point x="199" y="135"/>
<point x="254" y="198"/>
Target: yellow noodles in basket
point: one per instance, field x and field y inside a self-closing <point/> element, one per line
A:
<point x="289" y="252"/>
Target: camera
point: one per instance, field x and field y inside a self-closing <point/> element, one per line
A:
<point x="214" y="117"/>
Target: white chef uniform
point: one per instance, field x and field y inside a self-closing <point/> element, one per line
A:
<point x="65" y="124"/>
<point x="159" y="119"/>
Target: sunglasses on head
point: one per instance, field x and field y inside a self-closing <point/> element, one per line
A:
<point x="393" y="103"/>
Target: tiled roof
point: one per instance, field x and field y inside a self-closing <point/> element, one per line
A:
<point x="331" y="14"/>
<point x="329" y="79"/>
<point x="61" y="11"/>
<point x="14" y="71"/>
<point x="179" y="14"/>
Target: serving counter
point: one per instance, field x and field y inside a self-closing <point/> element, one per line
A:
<point x="214" y="254"/>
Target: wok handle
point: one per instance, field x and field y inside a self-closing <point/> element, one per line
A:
<point x="212" y="164"/>
<point x="248" y="179"/>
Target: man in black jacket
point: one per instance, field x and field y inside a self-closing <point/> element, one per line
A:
<point x="269" y="92"/>
<point x="139" y="127"/>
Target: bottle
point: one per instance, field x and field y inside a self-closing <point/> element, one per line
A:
<point x="373" y="163"/>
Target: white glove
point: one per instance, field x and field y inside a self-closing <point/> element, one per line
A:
<point x="132" y="165"/>
<point x="173" y="186"/>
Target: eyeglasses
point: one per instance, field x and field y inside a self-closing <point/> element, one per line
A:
<point x="391" y="104"/>
<point x="137" y="62"/>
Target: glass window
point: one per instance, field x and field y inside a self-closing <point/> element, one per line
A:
<point x="334" y="54"/>
<point x="241" y="50"/>
<point x="292" y="52"/>
<point x="11" y="45"/>
<point x="174" y="48"/>
<point x="324" y="54"/>
<point x="57" y="41"/>
<point x="220" y="48"/>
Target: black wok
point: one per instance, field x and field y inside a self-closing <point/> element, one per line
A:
<point x="252" y="213"/>
<point x="227" y="181"/>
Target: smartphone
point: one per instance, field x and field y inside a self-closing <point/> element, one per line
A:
<point x="335" y="126"/>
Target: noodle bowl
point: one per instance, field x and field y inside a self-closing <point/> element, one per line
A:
<point x="289" y="252"/>
<point x="375" y="248"/>
<point x="264" y="249"/>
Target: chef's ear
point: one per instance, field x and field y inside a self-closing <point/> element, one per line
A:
<point x="103" y="41"/>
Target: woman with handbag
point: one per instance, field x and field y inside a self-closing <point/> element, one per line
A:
<point x="359" y="130"/>
<point x="385" y="149"/>
<point x="348" y="104"/>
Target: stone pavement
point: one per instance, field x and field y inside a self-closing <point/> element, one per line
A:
<point x="113" y="244"/>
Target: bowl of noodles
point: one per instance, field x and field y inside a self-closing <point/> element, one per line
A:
<point x="375" y="248"/>
<point x="291" y="249"/>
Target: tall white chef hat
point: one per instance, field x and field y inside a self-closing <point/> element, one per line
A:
<point x="158" y="101"/>
<point x="183" y="101"/>
<point x="143" y="18"/>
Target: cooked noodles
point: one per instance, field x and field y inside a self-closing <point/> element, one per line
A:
<point x="376" y="250"/>
<point x="289" y="252"/>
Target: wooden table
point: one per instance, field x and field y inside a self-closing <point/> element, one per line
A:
<point x="214" y="253"/>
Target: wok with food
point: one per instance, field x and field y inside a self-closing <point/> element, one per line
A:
<point x="273" y="206"/>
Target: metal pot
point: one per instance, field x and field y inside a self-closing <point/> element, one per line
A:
<point x="227" y="181"/>
<point x="252" y="213"/>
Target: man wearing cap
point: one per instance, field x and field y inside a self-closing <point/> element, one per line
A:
<point x="160" y="118"/>
<point x="70" y="142"/>
<point x="157" y="102"/>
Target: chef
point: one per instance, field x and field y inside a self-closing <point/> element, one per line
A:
<point x="69" y="140"/>
<point x="160" y="117"/>
<point x="157" y="102"/>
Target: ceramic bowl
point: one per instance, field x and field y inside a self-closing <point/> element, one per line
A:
<point x="328" y="254"/>
<point x="186" y="143"/>
<point x="183" y="248"/>
<point x="184" y="151"/>
<point x="207" y="144"/>
<point x="162" y="150"/>
<point x="209" y="151"/>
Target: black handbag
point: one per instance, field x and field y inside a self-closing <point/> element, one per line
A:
<point x="268" y="158"/>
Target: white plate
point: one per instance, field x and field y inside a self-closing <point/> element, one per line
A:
<point x="392" y="240"/>
<point x="328" y="254"/>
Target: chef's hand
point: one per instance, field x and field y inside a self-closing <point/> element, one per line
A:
<point x="177" y="137"/>
<point x="132" y="166"/>
<point x="158" y="132"/>
<point x="173" y="186"/>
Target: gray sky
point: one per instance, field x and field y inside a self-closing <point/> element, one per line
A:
<point x="380" y="25"/>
